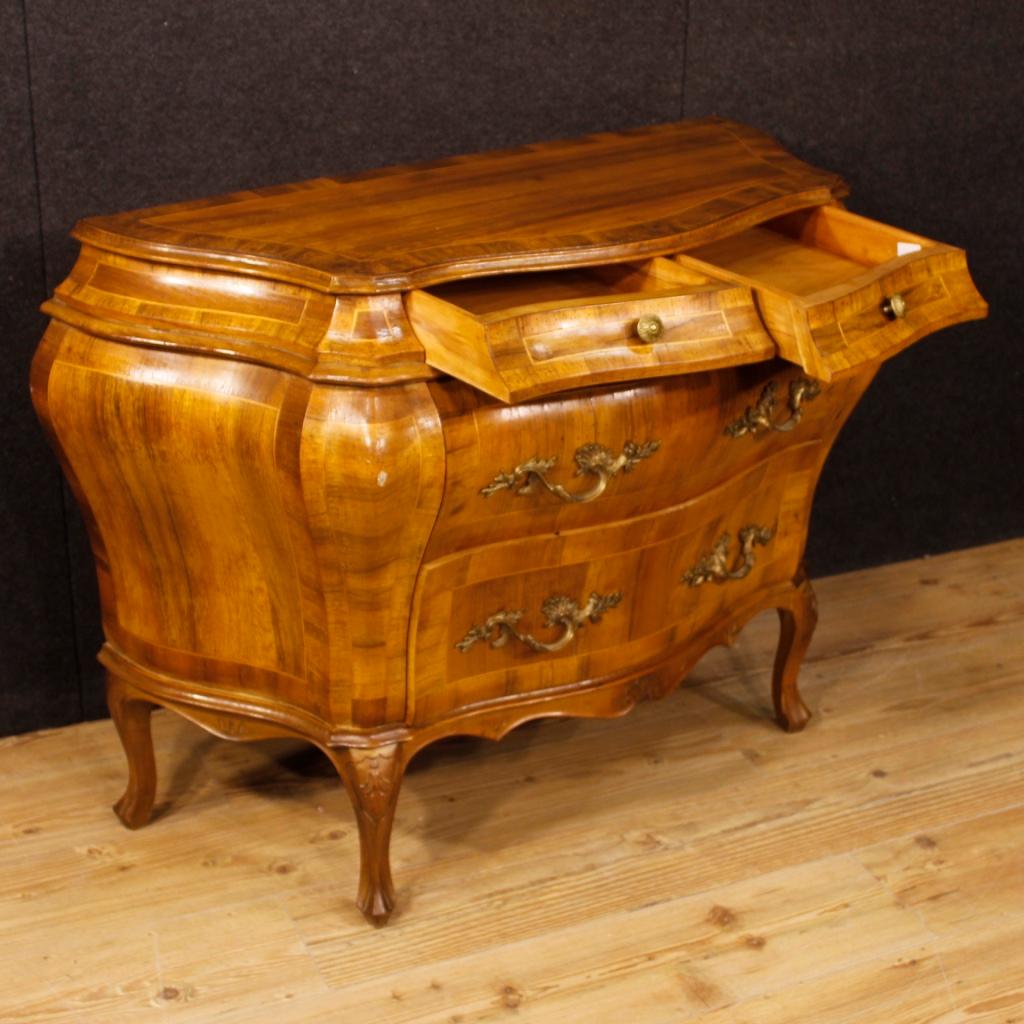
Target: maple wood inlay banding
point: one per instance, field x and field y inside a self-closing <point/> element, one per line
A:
<point x="290" y="417"/>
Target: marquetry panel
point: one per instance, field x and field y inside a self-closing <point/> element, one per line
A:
<point x="686" y="417"/>
<point x="643" y="560"/>
<point x="595" y="199"/>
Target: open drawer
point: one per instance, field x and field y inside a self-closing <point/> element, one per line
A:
<point x="837" y="290"/>
<point x="516" y="336"/>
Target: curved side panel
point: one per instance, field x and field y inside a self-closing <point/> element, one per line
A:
<point x="42" y="366"/>
<point x="187" y="471"/>
<point x="372" y="469"/>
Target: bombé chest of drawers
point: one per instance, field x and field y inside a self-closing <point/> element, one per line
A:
<point x="443" y="448"/>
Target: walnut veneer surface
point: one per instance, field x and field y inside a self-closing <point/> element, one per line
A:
<point x="444" y="448"/>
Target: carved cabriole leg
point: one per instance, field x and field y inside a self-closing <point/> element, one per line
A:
<point x="373" y="777"/>
<point x="131" y="712"/>
<point x="796" y="627"/>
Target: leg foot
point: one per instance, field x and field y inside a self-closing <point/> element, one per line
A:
<point x="373" y="777"/>
<point x="796" y="627"/>
<point x="131" y="714"/>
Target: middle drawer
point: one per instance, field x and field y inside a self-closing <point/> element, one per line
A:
<point x="603" y="455"/>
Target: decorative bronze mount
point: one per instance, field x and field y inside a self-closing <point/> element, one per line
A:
<point x="758" y="418"/>
<point x="557" y="611"/>
<point x="591" y="459"/>
<point x="715" y="567"/>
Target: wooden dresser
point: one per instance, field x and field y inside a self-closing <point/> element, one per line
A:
<point x="442" y="448"/>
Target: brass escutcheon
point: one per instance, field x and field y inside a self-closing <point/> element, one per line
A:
<point x="758" y="418"/>
<point x="557" y="610"/>
<point x="715" y="566"/>
<point x="591" y="460"/>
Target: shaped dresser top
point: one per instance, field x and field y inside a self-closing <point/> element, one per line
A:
<point x="597" y="199"/>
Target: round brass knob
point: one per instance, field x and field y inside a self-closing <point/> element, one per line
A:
<point x="895" y="306"/>
<point x="649" y="328"/>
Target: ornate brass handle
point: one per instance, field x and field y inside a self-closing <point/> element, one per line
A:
<point x="758" y="418"/>
<point x="716" y="565"/>
<point x="591" y="459"/>
<point x="557" y="610"/>
<point x="894" y="306"/>
<point x="649" y="328"/>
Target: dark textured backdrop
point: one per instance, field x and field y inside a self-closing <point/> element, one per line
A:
<point x="110" y="105"/>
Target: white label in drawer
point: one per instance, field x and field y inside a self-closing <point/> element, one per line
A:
<point x="903" y="248"/>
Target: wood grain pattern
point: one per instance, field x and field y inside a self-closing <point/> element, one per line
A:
<point x="370" y="465"/>
<point x="181" y="516"/>
<point x="664" y="867"/>
<point x="346" y="339"/>
<point x="597" y="199"/>
<point x="644" y="559"/>
<point x="685" y="414"/>
<point x="283" y="414"/>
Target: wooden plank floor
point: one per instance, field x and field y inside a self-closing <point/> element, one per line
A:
<point x="688" y="862"/>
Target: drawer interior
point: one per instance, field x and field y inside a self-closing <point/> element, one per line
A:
<point x="808" y="251"/>
<point x="505" y="293"/>
<point x="837" y="290"/>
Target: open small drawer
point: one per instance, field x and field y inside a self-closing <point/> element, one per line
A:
<point x="516" y="336"/>
<point x="837" y="290"/>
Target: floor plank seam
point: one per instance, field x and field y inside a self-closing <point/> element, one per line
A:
<point x="939" y="961"/>
<point x="301" y="939"/>
<point x="949" y="823"/>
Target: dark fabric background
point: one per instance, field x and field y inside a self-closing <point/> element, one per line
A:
<point x="111" y="105"/>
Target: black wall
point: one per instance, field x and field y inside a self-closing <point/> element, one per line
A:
<point x="111" y="105"/>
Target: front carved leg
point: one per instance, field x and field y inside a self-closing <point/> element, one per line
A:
<point x="796" y="627"/>
<point x="131" y="712"/>
<point x="373" y="777"/>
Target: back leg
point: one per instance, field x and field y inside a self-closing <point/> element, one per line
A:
<point x="131" y="714"/>
<point x="797" y="620"/>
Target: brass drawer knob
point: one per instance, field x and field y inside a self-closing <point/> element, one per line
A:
<point x="557" y="610"/>
<point x="894" y="306"/>
<point x="715" y="566"/>
<point x="649" y="328"/>
<point x="591" y="460"/>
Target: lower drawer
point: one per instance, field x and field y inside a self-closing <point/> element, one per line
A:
<point x="544" y="613"/>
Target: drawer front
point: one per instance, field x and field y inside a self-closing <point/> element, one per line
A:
<point x="604" y="455"/>
<point x="838" y="291"/>
<point x="549" y="612"/>
<point x="930" y="290"/>
<point x="526" y="335"/>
